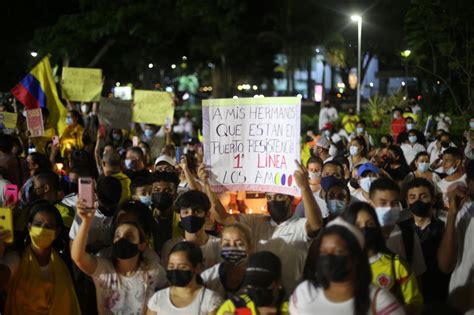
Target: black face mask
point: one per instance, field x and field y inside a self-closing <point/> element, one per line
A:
<point x="445" y="144"/>
<point x="333" y="267"/>
<point x="261" y="296"/>
<point x="123" y="249"/>
<point x="233" y="255"/>
<point x="278" y="210"/>
<point x="420" y="208"/>
<point x="179" y="278"/>
<point x="192" y="224"/>
<point x="108" y="212"/>
<point x="371" y="235"/>
<point x="162" y="200"/>
<point x="354" y="183"/>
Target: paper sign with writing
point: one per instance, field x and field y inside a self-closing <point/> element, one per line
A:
<point x="81" y="84"/>
<point x="8" y="120"/>
<point x="152" y="107"/>
<point x="34" y="121"/>
<point x="252" y="143"/>
<point x="115" y="113"/>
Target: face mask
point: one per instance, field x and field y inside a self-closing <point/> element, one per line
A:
<point x="332" y="150"/>
<point x="116" y="137"/>
<point x="423" y="167"/>
<point x="325" y="182"/>
<point x="146" y="200"/>
<point x="471" y="124"/>
<point x="128" y="164"/>
<point x="260" y="296"/>
<point x="179" y="278"/>
<point x="123" y="249"/>
<point x="451" y="170"/>
<point x="162" y="200"/>
<point x="108" y="212"/>
<point x="412" y="139"/>
<point x="148" y="133"/>
<point x="233" y="255"/>
<point x="278" y="210"/>
<point x="192" y="224"/>
<point x="327" y="133"/>
<point x="314" y="175"/>
<point x="360" y="130"/>
<point x="84" y="109"/>
<point x="366" y="182"/>
<point x="353" y="150"/>
<point x="371" y="235"/>
<point x="410" y="126"/>
<point x="68" y="121"/>
<point x="387" y="215"/>
<point x="354" y="183"/>
<point x="420" y="208"/>
<point x="445" y="144"/>
<point x="334" y="267"/>
<point x="335" y="206"/>
<point x="42" y="237"/>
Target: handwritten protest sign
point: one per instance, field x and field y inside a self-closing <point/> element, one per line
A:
<point x="81" y="84"/>
<point x="152" y="107"/>
<point x="115" y="113"/>
<point x="34" y="121"/>
<point x="252" y="143"/>
<point x="8" y="120"/>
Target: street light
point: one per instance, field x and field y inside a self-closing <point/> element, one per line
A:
<point x="150" y="66"/>
<point x="34" y="54"/>
<point x="358" y="19"/>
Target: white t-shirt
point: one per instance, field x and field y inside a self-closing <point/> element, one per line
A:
<point x="206" y="301"/>
<point x="117" y="294"/>
<point x="211" y="251"/>
<point x="359" y="195"/>
<point x="287" y="240"/>
<point x="410" y="151"/>
<point x="310" y="300"/>
<point x="396" y="245"/>
<point x="445" y="186"/>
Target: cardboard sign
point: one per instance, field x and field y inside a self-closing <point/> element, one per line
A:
<point x="34" y="121"/>
<point x="115" y="113"/>
<point x="152" y="107"/>
<point x="8" y="120"/>
<point x="81" y="84"/>
<point x="252" y="143"/>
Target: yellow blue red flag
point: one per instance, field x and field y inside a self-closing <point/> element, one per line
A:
<point x="38" y="90"/>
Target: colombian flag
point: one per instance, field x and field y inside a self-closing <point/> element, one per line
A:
<point x="38" y="90"/>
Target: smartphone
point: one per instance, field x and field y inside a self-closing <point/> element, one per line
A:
<point x="86" y="191"/>
<point x="6" y="222"/>
<point x="55" y="140"/>
<point x="11" y="193"/>
<point x="179" y="154"/>
<point x="102" y="131"/>
<point x="135" y="141"/>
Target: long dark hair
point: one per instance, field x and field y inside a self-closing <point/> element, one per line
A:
<point x="360" y="264"/>
<point x="193" y="254"/>
<point x="399" y="152"/>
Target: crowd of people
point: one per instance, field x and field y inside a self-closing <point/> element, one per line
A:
<point x="382" y="226"/>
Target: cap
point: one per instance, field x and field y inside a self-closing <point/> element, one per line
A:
<point x="367" y="167"/>
<point x="165" y="158"/>
<point x="351" y="228"/>
<point x="329" y="181"/>
<point x="323" y="142"/>
<point x="263" y="268"/>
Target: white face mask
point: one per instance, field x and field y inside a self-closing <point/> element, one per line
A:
<point x="451" y="170"/>
<point x="84" y="109"/>
<point x="314" y="175"/>
<point x="387" y="216"/>
<point x="423" y="167"/>
<point x="410" y="126"/>
<point x="366" y="182"/>
<point x="412" y="139"/>
<point x="335" y="206"/>
<point x="353" y="150"/>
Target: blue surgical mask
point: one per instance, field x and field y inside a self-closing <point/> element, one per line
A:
<point x="451" y="170"/>
<point x="410" y="126"/>
<point x="148" y="133"/>
<point x="68" y="121"/>
<point x="335" y="206"/>
<point x="360" y="130"/>
<point x="366" y="182"/>
<point x="128" y="164"/>
<point x="423" y="167"/>
<point x="471" y="124"/>
<point x="146" y="200"/>
<point x="387" y="216"/>
<point x="412" y="139"/>
<point x="353" y="150"/>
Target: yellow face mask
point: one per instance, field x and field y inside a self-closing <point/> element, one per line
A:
<point x="42" y="237"/>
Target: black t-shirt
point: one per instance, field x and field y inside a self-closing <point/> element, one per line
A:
<point x="398" y="174"/>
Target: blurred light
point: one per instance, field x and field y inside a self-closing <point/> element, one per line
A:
<point x="169" y="89"/>
<point x="317" y="50"/>
<point x="34" y="54"/>
<point x="254" y="87"/>
<point x="404" y="98"/>
<point x="240" y="87"/>
<point x="211" y="65"/>
<point x="406" y="53"/>
<point x="185" y="96"/>
<point x="356" y="18"/>
<point x="117" y="84"/>
<point x="299" y="96"/>
<point x="150" y="66"/>
<point x="341" y="85"/>
<point x="403" y="83"/>
<point x="184" y="58"/>
<point x="173" y="66"/>
<point x="59" y="166"/>
<point x="437" y="82"/>
<point x="341" y="90"/>
<point x="338" y="95"/>
<point x="419" y="97"/>
<point x="371" y="84"/>
<point x="235" y="96"/>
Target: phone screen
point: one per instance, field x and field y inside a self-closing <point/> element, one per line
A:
<point x="86" y="191"/>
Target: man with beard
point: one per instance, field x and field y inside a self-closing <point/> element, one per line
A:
<point x="280" y="233"/>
